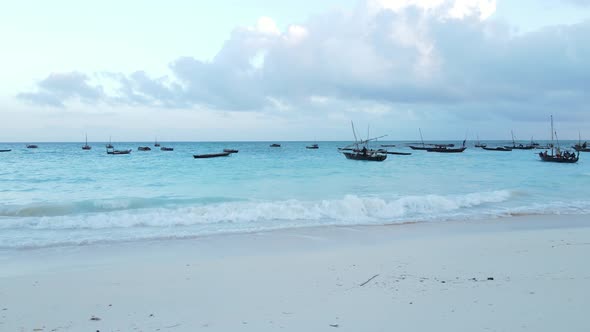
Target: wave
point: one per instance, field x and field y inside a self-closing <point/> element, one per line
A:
<point x="136" y="212"/>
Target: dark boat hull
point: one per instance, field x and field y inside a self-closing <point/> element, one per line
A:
<point x="230" y="151"/>
<point x="6" y="150"/>
<point x="144" y="148"/>
<point x="499" y="148"/>
<point x="275" y="145"/>
<point x="166" y="149"/>
<point x="118" y="152"/>
<point x="581" y="149"/>
<point x="86" y="147"/>
<point x="366" y="157"/>
<point x="446" y="150"/>
<point x="520" y="147"/>
<point x="211" y="155"/>
<point x="480" y="145"/>
<point x="555" y="159"/>
<point x="422" y="148"/>
<point x="399" y="153"/>
<point x="312" y="147"/>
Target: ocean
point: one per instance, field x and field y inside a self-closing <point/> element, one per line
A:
<point x="60" y="195"/>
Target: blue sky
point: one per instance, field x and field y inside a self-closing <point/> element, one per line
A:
<point x="265" y="70"/>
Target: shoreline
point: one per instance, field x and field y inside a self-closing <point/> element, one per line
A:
<point x="415" y="277"/>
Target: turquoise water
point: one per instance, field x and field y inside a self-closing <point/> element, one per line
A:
<point x="61" y="195"/>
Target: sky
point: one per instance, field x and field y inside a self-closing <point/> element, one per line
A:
<point x="293" y="70"/>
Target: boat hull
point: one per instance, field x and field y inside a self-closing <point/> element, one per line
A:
<point x="211" y="155"/>
<point x="446" y="150"/>
<point x="8" y="150"/>
<point x="555" y="159"/>
<point x="499" y="148"/>
<point x="365" y="157"/>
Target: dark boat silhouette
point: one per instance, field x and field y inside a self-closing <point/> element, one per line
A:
<point x="359" y="150"/>
<point x="519" y="146"/>
<point x="556" y="155"/>
<point x="444" y="148"/>
<point x="478" y="144"/>
<point x="312" y="147"/>
<point x="166" y="149"/>
<point x="6" y="150"/>
<point x="117" y="152"/>
<point x="86" y="146"/>
<point x="211" y="155"/>
<point x="156" y="144"/>
<point x="144" y="148"/>
<point x="110" y="145"/>
<point x="274" y="145"/>
<point x="497" y="148"/>
<point x="32" y="146"/>
<point x="230" y="150"/>
<point x="581" y="147"/>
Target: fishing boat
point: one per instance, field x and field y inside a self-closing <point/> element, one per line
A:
<point x="230" y="150"/>
<point x="447" y="149"/>
<point x="557" y="156"/>
<point x="156" y="144"/>
<point x="32" y="146"/>
<point x="394" y="152"/>
<point x="359" y="150"/>
<point x="581" y="147"/>
<point x="86" y="146"/>
<point x="110" y="145"/>
<point x="166" y="149"/>
<point x="478" y="144"/>
<point x="211" y="155"/>
<point x="519" y="146"/>
<point x="497" y="148"/>
<point x="144" y="148"/>
<point x="117" y="152"/>
<point x="6" y="150"/>
<point x="312" y="147"/>
<point x="417" y="147"/>
<point x="275" y="145"/>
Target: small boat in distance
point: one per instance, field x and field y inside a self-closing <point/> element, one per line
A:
<point x="395" y="152"/>
<point x="478" y="144"/>
<point x="211" y="155"/>
<point x="497" y="148"/>
<point x="275" y="145"/>
<point x="144" y="148"/>
<point x="312" y="147"/>
<point x="444" y="148"/>
<point x="156" y="144"/>
<point x="230" y="150"/>
<point x="117" y="152"/>
<point x="110" y="145"/>
<point x="387" y="145"/>
<point x="354" y="151"/>
<point x="32" y="146"/>
<point x="581" y="147"/>
<point x="166" y="149"/>
<point x="416" y="147"/>
<point x="519" y="146"/>
<point x="86" y="146"/>
<point x="557" y="156"/>
<point x="6" y="150"/>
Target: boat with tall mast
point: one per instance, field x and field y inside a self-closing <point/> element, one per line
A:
<point x="416" y="147"/>
<point x="557" y="156"/>
<point x="86" y="146"/>
<point x="110" y="145"/>
<point x="520" y="146"/>
<point x="478" y="144"/>
<point x="581" y="147"/>
<point x="359" y="150"/>
<point x="156" y="144"/>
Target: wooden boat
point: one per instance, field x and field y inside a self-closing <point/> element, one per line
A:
<point x="144" y="148"/>
<point x="274" y="145"/>
<point x="32" y="146"/>
<point x="497" y="148"/>
<point x="581" y="147"/>
<point x="166" y="149"/>
<point x="557" y="156"/>
<point x="230" y="150"/>
<point x="359" y="150"/>
<point x="478" y="144"/>
<point x="519" y="146"/>
<point x="110" y="145"/>
<point x="86" y="146"/>
<point x="415" y="147"/>
<point x="156" y="144"/>
<point x="395" y="152"/>
<point x="6" y="150"/>
<point x="211" y="155"/>
<point x="117" y="152"/>
<point x="445" y="148"/>
<point x="312" y="147"/>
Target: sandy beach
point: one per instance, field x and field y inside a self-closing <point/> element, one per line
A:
<point x="523" y="273"/>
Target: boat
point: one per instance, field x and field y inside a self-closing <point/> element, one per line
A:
<point x="416" y="147"/>
<point x="110" y="145"/>
<point x="359" y="150"/>
<point x="156" y="144"/>
<point x="519" y="146"/>
<point x="388" y="145"/>
<point x="144" y="148"/>
<point x="395" y="152"/>
<point x="116" y="152"/>
<point x="444" y="148"/>
<point x="32" y="146"/>
<point x="557" y="156"/>
<point x="166" y="149"/>
<point x="478" y="144"/>
<point x="312" y="147"/>
<point x="211" y="155"/>
<point x="6" y="150"/>
<point x="230" y="150"/>
<point x="581" y="147"/>
<point x="497" y="148"/>
<point x="274" y="145"/>
<point x="86" y="146"/>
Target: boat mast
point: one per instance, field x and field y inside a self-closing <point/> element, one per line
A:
<point x="552" y="145"/>
<point x="513" y="142"/>
<point x="421" y="138"/>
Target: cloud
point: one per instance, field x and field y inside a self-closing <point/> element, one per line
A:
<point x="429" y="54"/>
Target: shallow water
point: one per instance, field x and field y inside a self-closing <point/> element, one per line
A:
<point x="61" y="195"/>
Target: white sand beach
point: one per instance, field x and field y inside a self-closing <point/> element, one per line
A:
<point x="515" y="274"/>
